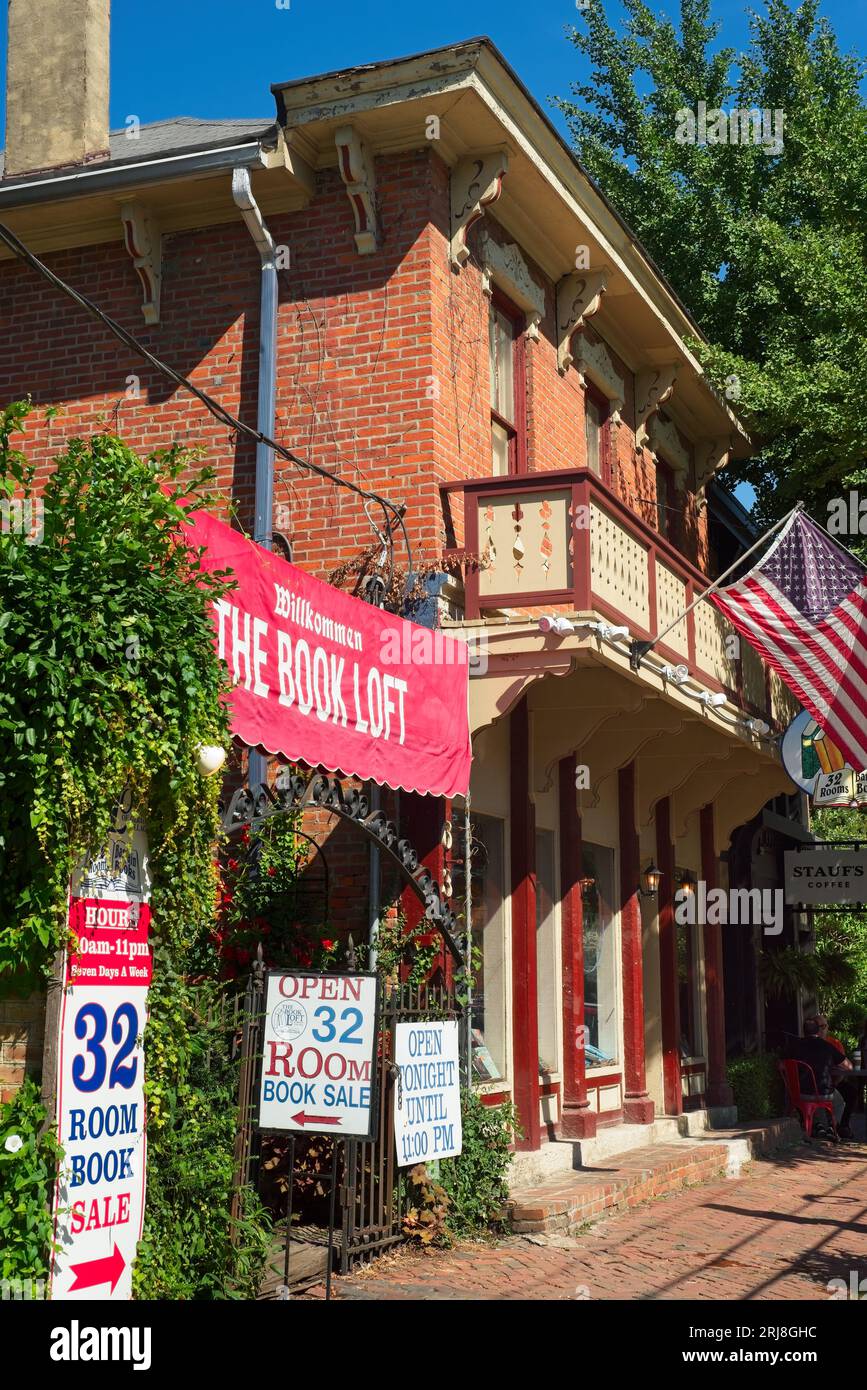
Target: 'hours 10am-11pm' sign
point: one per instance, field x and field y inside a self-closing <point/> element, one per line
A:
<point x="100" y="1190"/>
<point x="319" y="1054"/>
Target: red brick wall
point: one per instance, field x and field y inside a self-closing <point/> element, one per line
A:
<point x="383" y="362"/>
<point x="22" y="1034"/>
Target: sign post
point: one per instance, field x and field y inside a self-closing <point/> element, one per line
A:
<point x="427" y="1099"/>
<point x="100" y="1189"/>
<point x="319" y="1075"/>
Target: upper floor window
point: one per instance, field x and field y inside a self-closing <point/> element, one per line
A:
<point x="506" y="359"/>
<point x="596" y="412"/>
<point x="665" y="501"/>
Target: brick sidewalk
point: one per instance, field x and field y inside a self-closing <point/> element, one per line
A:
<point x="781" y="1231"/>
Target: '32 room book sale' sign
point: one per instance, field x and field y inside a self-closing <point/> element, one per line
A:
<point x="100" y="1190"/>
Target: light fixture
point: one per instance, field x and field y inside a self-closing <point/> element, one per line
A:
<point x="713" y="701"/>
<point x="209" y="758"/>
<point x="558" y="624"/>
<point x="651" y="878"/>
<point x="675" y="675"/>
<point x="686" y="882"/>
<point x="611" y="634"/>
<point x="758" y="726"/>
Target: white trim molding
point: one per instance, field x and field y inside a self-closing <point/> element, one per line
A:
<point x="505" y="266"/>
<point x="594" y="364"/>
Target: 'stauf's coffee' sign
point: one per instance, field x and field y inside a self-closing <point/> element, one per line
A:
<point x="330" y="681"/>
<point x="826" y="876"/>
<point x="100" y="1190"/>
<point x="319" y="1054"/>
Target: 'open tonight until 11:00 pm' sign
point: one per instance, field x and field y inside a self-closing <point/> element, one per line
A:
<point x="319" y="1054"/>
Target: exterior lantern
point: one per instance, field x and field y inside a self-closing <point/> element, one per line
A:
<point x="686" y="882"/>
<point x="650" y="881"/>
<point x="209" y="758"/>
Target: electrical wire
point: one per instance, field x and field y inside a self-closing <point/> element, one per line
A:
<point x="218" y="411"/>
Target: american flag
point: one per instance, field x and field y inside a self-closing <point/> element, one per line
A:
<point x="804" y="609"/>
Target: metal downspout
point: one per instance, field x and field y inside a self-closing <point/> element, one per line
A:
<point x="242" y="194"/>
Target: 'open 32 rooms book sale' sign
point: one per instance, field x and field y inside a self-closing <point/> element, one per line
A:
<point x="100" y="1191"/>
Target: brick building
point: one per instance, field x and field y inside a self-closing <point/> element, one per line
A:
<point x="464" y="324"/>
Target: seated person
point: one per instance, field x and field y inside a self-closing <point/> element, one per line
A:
<point x="824" y="1059"/>
<point x="848" y="1089"/>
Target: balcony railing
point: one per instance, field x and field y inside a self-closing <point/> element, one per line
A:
<point x="564" y="538"/>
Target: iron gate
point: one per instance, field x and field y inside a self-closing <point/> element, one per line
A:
<point x="371" y="1196"/>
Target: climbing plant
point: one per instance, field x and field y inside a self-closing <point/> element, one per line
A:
<point x="109" y="682"/>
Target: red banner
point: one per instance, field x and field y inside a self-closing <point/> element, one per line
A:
<point x="324" y="679"/>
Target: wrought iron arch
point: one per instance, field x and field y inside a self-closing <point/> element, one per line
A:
<point x="250" y="807"/>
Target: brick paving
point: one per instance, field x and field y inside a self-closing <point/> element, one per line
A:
<point x="625" y="1180"/>
<point x="780" y="1231"/>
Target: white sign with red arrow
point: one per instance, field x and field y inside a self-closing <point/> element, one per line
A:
<point x="100" y="1189"/>
<point x="319" y="1054"/>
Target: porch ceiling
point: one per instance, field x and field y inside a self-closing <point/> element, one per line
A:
<point x="607" y="715"/>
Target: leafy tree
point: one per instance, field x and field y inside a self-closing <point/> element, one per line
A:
<point x="843" y="934"/>
<point x="767" y="250"/>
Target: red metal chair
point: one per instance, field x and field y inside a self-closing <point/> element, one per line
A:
<point x="805" y="1103"/>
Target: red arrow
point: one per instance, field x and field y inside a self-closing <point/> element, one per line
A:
<point x="302" y="1119"/>
<point x="104" y="1271"/>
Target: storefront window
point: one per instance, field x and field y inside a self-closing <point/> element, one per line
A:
<point x="489" y="940"/>
<point x="600" y="958"/>
<point x="547" y="993"/>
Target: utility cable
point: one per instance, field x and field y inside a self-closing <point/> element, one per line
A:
<point x="218" y="411"/>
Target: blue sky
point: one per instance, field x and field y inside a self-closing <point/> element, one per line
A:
<point x="216" y="58"/>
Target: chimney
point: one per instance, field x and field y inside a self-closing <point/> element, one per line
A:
<point x="56" y="84"/>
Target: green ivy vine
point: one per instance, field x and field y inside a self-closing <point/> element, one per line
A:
<point x="109" y="682"/>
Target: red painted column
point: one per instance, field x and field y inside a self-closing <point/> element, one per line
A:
<point x="637" y="1105"/>
<point x="669" y="997"/>
<point x="719" y="1092"/>
<point x="525" y="1013"/>
<point x="577" y="1120"/>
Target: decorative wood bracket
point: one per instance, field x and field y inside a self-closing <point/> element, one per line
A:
<point x="579" y="296"/>
<point x="476" y="183"/>
<point x="664" y="437"/>
<point x="357" y="172"/>
<point x="505" y="266"/>
<point x="652" y="389"/>
<point x="144" y="244"/>
<point x="710" y="454"/>
<point x="594" y="363"/>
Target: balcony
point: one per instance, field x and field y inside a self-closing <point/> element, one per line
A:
<point x="564" y="539"/>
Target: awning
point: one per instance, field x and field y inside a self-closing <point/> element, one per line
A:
<point x="324" y="679"/>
